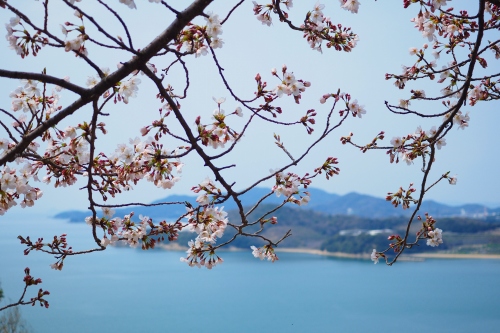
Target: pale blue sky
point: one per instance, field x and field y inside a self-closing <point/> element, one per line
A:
<point x="386" y="34"/>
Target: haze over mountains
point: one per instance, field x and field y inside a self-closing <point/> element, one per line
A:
<point x="353" y="204"/>
<point x="351" y="223"/>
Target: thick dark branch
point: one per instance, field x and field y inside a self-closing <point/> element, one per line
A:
<point x="444" y="126"/>
<point x="137" y="62"/>
<point x="43" y="78"/>
<point x="194" y="143"/>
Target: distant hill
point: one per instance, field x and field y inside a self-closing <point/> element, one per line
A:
<point x="354" y="234"/>
<point x="352" y="223"/>
<point x="354" y="204"/>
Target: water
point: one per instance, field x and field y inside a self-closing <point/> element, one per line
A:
<point x="129" y="290"/>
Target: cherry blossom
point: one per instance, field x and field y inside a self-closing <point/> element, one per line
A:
<point x="396" y="141"/>
<point x="43" y="139"/>
<point x="129" y="3"/>
<point x="350" y="5"/>
<point x="435" y="237"/>
<point x="356" y="109"/>
<point x="266" y="252"/>
<point x="374" y="256"/>
<point x="129" y="88"/>
<point x="440" y="143"/>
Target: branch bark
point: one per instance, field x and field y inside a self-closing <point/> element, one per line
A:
<point x="137" y="62"/>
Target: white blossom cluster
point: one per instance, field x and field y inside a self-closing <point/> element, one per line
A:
<point x="289" y="85"/>
<point x="317" y="16"/>
<point x="27" y="98"/>
<point x="350" y="5"/>
<point x="218" y="133"/>
<point x="199" y="254"/>
<point x="76" y="44"/>
<point x="209" y="223"/>
<point x="13" y="45"/>
<point x="475" y="94"/>
<point x="398" y="143"/>
<point x="139" y="154"/>
<point x="213" y="29"/>
<point x="129" y="88"/>
<point x="125" y="89"/>
<point x="77" y="151"/>
<point x="356" y="109"/>
<point x="318" y="23"/>
<point x="72" y="149"/>
<point x="460" y="119"/>
<point x="207" y="187"/>
<point x="14" y="184"/>
<point x="374" y="256"/>
<point x="92" y="80"/>
<point x="264" y="17"/>
<point x="428" y="27"/>
<point x="131" y="3"/>
<point x="288" y="185"/>
<point x="122" y="229"/>
<point x="264" y="253"/>
<point x="435" y="237"/>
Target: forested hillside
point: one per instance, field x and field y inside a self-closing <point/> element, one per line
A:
<point x="354" y="234"/>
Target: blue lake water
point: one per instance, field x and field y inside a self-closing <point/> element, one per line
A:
<point x="126" y="290"/>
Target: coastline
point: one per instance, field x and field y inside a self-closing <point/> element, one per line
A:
<point x="364" y="256"/>
<point x="456" y="256"/>
<point x="409" y="257"/>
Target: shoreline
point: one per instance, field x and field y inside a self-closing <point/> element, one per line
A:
<point x="406" y="257"/>
<point x="409" y="257"/>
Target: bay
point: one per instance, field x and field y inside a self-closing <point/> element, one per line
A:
<point x="127" y="290"/>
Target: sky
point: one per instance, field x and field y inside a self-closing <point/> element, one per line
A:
<point x="385" y="34"/>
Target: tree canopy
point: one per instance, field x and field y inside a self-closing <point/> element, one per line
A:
<point x="55" y="132"/>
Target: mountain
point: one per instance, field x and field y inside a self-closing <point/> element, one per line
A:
<point x="354" y="234"/>
<point x="352" y="223"/>
<point x="354" y="204"/>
